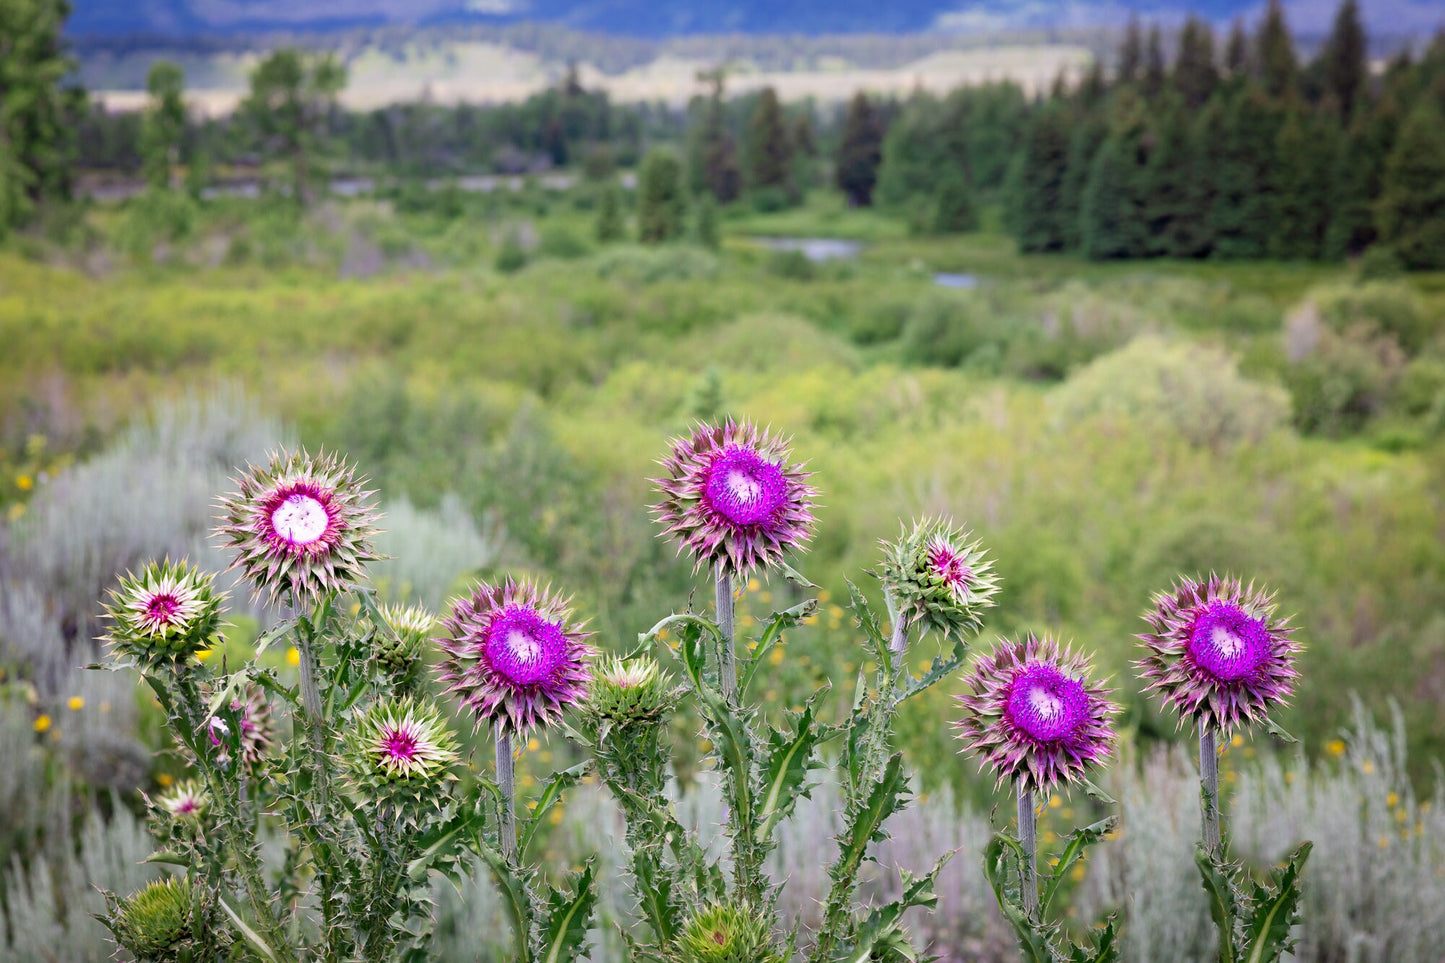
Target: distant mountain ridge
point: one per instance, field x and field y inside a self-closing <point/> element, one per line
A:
<point x="665" y="18"/>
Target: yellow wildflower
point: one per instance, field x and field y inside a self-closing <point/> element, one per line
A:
<point x="293" y="656"/>
<point x="24" y="483"/>
<point x="42" y="723"/>
<point x="76" y="703"/>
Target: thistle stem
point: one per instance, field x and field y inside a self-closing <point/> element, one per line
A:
<point x="1028" y="873"/>
<point x="507" y="823"/>
<point x="727" y="666"/>
<point x="1209" y="790"/>
<point x="899" y="642"/>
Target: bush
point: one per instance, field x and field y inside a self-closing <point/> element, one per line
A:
<point x="511" y="256"/>
<point x="792" y="266"/>
<point x="1392" y="307"/>
<point x="560" y="242"/>
<point x="1189" y="389"/>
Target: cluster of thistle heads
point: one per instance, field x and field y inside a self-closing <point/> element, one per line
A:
<point x="515" y="659"/>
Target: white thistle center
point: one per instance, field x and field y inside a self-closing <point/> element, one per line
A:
<point x="1045" y="703"/>
<point x="1226" y="643"/>
<point x="523" y="647"/>
<point x="300" y="519"/>
<point x="743" y="486"/>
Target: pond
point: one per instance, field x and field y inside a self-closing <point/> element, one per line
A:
<point x="946" y="279"/>
<point x="815" y="249"/>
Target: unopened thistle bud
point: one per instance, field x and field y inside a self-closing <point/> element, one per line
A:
<point x="627" y="693"/>
<point x="156" y="923"/>
<point x="165" y="614"/>
<point x="726" y="933"/>
<point x="401" y="748"/>
<point x="938" y="578"/>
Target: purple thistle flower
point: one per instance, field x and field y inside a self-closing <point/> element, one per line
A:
<point x="731" y="498"/>
<point x="188" y="800"/>
<point x="512" y="658"/>
<point x="1217" y="655"/>
<point x="1035" y="715"/>
<point x="300" y="527"/>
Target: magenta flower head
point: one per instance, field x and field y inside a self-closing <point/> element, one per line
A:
<point x="1035" y="715"/>
<point x="732" y="499"/>
<point x="300" y="527"/>
<point x="1216" y="653"/>
<point x="512" y="657"/>
<point x="938" y="578"/>
<point x="168" y="612"/>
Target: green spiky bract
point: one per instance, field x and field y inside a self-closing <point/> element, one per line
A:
<point x="726" y="933"/>
<point x="165" y="614"/>
<point x="284" y="555"/>
<point x="938" y="579"/>
<point x="402" y="638"/>
<point x="400" y="750"/>
<point x="158" y="922"/>
<point x="628" y="693"/>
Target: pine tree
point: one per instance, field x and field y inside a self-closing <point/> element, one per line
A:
<point x="1343" y="59"/>
<point x="1412" y="201"/>
<point x="712" y="153"/>
<point x="38" y="115"/>
<point x="1175" y="199"/>
<point x="859" y="152"/>
<point x="1094" y="87"/>
<point x="1195" y="74"/>
<point x="1304" y="160"/>
<point x="609" y="214"/>
<point x="164" y="125"/>
<point x="290" y="95"/>
<point x="1038" y="217"/>
<point x="1131" y="54"/>
<point x="661" y="207"/>
<point x="1088" y="135"/>
<point x="1236" y="51"/>
<point x="769" y="147"/>
<point x="1155" y="70"/>
<point x="1278" y="67"/>
<point x="1242" y="218"/>
<point x="1358" y="180"/>
<point x="1112" y="211"/>
<point x="953" y="207"/>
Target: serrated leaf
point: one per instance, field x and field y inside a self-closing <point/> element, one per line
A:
<point x="515" y="898"/>
<point x="1278" y="731"/>
<point x="791" y="756"/>
<point x="249" y="935"/>
<point x="941" y="669"/>
<point x="568" y="918"/>
<point x="771" y="635"/>
<point x="1275" y="910"/>
<point x="443" y="837"/>
<point x="1076" y="843"/>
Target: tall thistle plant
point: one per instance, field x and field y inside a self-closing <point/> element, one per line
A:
<point x="1036" y="717"/>
<point x="1219" y="657"/>
<point x="738" y="506"/>
<point x="365" y="791"/>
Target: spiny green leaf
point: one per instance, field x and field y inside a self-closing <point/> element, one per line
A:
<point x="1222" y="903"/>
<point x="790" y="758"/>
<point x="551" y="794"/>
<point x="1074" y="847"/>
<point x="1276" y="910"/>
<point x="249" y="935"/>
<point x="568" y="917"/>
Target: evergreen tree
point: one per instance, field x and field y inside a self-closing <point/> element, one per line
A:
<point x="164" y="125"/>
<point x="1242" y="219"/>
<point x="1195" y="74"/>
<point x="1131" y="54"/>
<point x="1155" y="69"/>
<point x="712" y="150"/>
<point x="1412" y="200"/>
<point x="1112" y="211"/>
<point x="38" y="115"/>
<point x="1343" y="59"/>
<point x="1303" y="167"/>
<point x="859" y="152"/>
<point x="1274" y="52"/>
<point x="769" y="147"/>
<point x="1176" y="201"/>
<point x="661" y="207"/>
<point x="1088" y="135"/>
<point x="1358" y="179"/>
<point x="1094" y="87"/>
<point x="609" y="214"/>
<point x="706" y="228"/>
<point x="1236" y="51"/>
<point x="290" y="95"/>
<point x="1038" y="217"/>
<point x="954" y="211"/>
